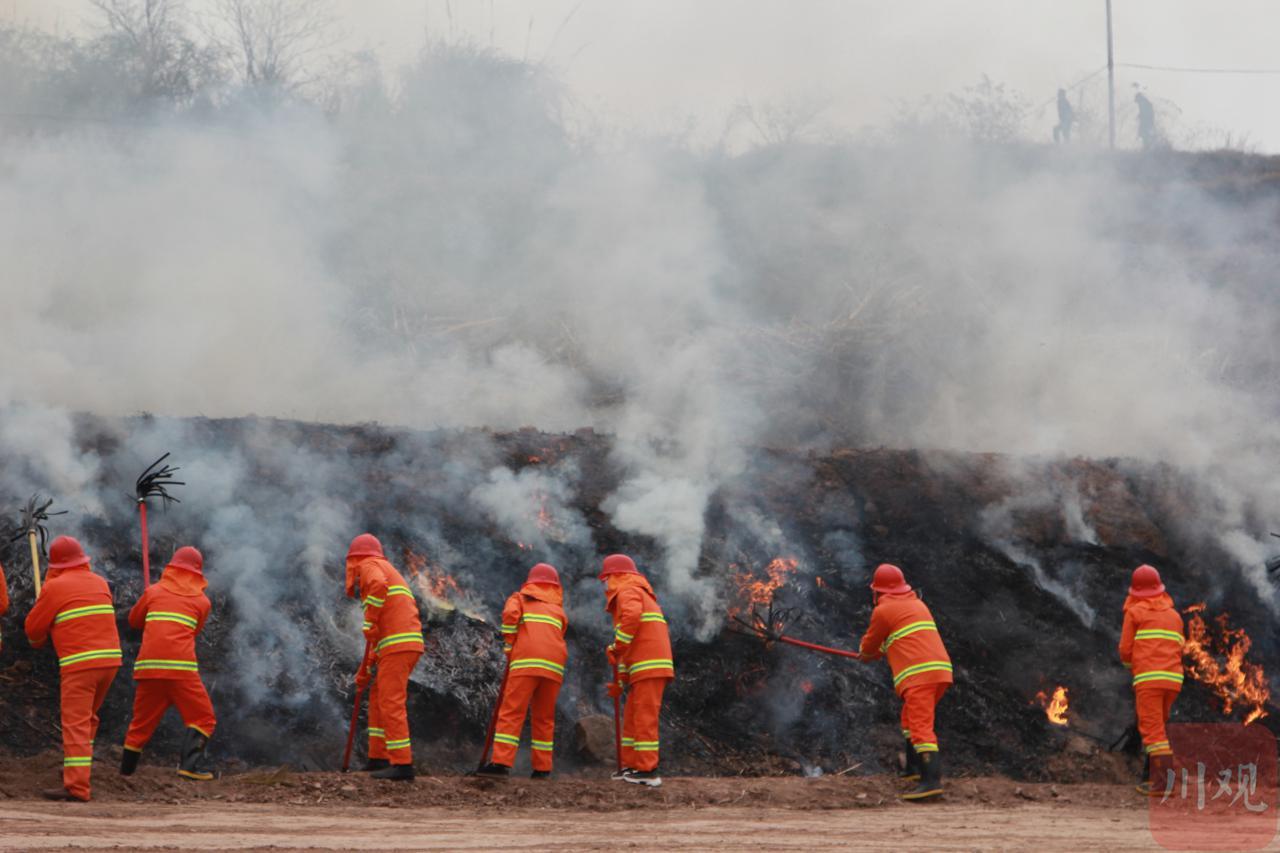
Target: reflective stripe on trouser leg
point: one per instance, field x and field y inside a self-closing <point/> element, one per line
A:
<point x="511" y="713"/>
<point x="81" y="694"/>
<point x="918" y="708"/>
<point x="377" y="734"/>
<point x="393" y="693"/>
<point x="1153" y="705"/>
<point x="542" y="722"/>
<point x="644" y="706"/>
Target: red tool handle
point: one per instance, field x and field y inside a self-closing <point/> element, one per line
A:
<point x="802" y="644"/>
<point x="493" y="718"/>
<point x="617" y="723"/>
<point x="146" y="550"/>
<point x="355" y="712"/>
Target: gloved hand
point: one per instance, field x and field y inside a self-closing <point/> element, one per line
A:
<point x="363" y="677"/>
<point x="612" y="654"/>
<point x="615" y="689"/>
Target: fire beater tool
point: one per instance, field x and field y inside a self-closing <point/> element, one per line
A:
<point x="34" y="515"/>
<point x="617" y="721"/>
<point x="152" y="484"/>
<point x="770" y="626"/>
<point x="355" y="711"/>
<point x="493" y="717"/>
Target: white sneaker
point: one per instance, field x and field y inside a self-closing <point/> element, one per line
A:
<point x="619" y="775"/>
<point x="648" y="778"/>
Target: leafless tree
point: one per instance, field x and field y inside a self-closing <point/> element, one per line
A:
<point x="273" y="43"/>
<point x="150" y="39"/>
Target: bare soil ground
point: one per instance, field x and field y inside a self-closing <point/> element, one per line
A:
<point x="280" y="809"/>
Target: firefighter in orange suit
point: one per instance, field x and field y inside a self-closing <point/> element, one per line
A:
<point x="170" y="614"/>
<point x="902" y="629"/>
<point x="641" y="651"/>
<point x="533" y="626"/>
<point x="74" y="607"/>
<point x="393" y="632"/>
<point x="1151" y="646"/>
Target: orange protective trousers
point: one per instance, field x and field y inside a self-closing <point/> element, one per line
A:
<point x="1153" y="707"/>
<point x="524" y="694"/>
<point x="153" y="696"/>
<point x="82" y="693"/>
<point x="640" y="723"/>
<point x="918" y="704"/>
<point x="388" y="719"/>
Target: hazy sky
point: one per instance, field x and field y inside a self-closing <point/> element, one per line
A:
<point x="656" y="63"/>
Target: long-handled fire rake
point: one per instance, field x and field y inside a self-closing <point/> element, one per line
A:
<point x="34" y="514"/>
<point x="152" y="484"/>
<point x="769" y="627"/>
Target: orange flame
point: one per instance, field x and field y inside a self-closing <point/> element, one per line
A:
<point x="1055" y="707"/>
<point x="1219" y="664"/>
<point x="433" y="582"/>
<point x="752" y="590"/>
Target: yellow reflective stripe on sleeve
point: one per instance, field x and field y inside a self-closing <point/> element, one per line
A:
<point x="164" y="616"/>
<point x="1158" y="675"/>
<point x="400" y="639"/>
<point x="399" y="590"/>
<point x="509" y="629"/>
<point x="544" y="745"/>
<point x="183" y="665"/>
<point x="643" y="665"/>
<point x="653" y="617"/>
<point x="1156" y="747"/>
<point x="927" y="666"/>
<point x="510" y="740"/>
<point x="96" y="654"/>
<point x="79" y="612"/>
<point x="539" y="617"/>
<point x="366" y="626"/>
<point x="622" y="636"/>
<point x="925" y="625"/>
<point x="1158" y="634"/>
<point x="537" y="663"/>
<point x="371" y="601"/>
<point x="77" y="761"/>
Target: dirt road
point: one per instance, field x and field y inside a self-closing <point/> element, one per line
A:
<point x="37" y="826"/>
<point x="283" y="810"/>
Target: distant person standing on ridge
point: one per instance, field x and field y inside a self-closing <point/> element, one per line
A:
<point x="1146" y="121"/>
<point x="1066" y="118"/>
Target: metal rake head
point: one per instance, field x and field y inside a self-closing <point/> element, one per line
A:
<point x="33" y="516"/>
<point x="154" y="482"/>
<point x="769" y="625"/>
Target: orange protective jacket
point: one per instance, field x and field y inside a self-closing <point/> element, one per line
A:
<point x="170" y="614"/>
<point x="391" y="622"/>
<point x="902" y="629"/>
<point x="1151" y="642"/>
<point x="533" y="626"/>
<point x="74" y="607"/>
<point x="641" y="643"/>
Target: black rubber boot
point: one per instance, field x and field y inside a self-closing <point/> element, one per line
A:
<point x="376" y="764"/>
<point x="1144" y="781"/>
<point x="930" y="778"/>
<point x="396" y="773"/>
<point x="494" y="771"/>
<point x="194" y="764"/>
<point x="61" y="795"/>
<point x="129" y="761"/>
<point x="540" y="774"/>
<point x="911" y="766"/>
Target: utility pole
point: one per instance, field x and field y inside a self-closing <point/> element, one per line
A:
<point x="1111" y="84"/>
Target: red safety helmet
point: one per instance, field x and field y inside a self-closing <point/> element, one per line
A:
<point x="65" y="552"/>
<point x="365" y="545"/>
<point x="888" y="580"/>
<point x="543" y="573"/>
<point x="189" y="559"/>
<point x="618" y="564"/>
<point x="1146" y="582"/>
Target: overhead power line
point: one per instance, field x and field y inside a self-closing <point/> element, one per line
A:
<point x="1198" y="70"/>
